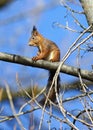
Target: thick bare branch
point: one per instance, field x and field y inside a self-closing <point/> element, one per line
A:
<point x="46" y="65"/>
<point x="88" y="9"/>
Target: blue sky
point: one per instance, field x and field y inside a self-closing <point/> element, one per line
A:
<point x="15" y="32"/>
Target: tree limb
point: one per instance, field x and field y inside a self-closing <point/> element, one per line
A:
<point x="88" y="75"/>
<point x="88" y="9"/>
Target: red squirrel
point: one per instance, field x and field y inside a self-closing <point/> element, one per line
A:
<point x="47" y="50"/>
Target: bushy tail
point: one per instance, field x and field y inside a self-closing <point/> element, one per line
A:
<point x="52" y="94"/>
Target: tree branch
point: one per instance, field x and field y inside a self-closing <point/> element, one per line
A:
<point x="88" y="9"/>
<point x="88" y="75"/>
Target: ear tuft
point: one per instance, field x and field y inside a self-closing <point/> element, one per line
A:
<point x="34" y="28"/>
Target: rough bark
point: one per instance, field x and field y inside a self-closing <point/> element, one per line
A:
<point x="88" y="9"/>
<point x="46" y="65"/>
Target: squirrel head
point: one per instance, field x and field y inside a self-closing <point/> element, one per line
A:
<point x="36" y="37"/>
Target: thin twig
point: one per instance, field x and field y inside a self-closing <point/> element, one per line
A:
<point x="62" y="2"/>
<point x="12" y="106"/>
<point x="60" y="104"/>
<point x="5" y="118"/>
<point x="65" y="27"/>
<point x="76" y="97"/>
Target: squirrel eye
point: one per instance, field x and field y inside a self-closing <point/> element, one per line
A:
<point x="33" y="38"/>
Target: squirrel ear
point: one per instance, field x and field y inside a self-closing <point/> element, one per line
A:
<point x="34" y="28"/>
<point x="34" y="31"/>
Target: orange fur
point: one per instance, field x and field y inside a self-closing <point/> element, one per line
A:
<point x="47" y="50"/>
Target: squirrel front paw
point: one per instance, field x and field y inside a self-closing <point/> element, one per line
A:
<point x="35" y="58"/>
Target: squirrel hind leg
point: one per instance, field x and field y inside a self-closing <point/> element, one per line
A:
<point x="55" y="56"/>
